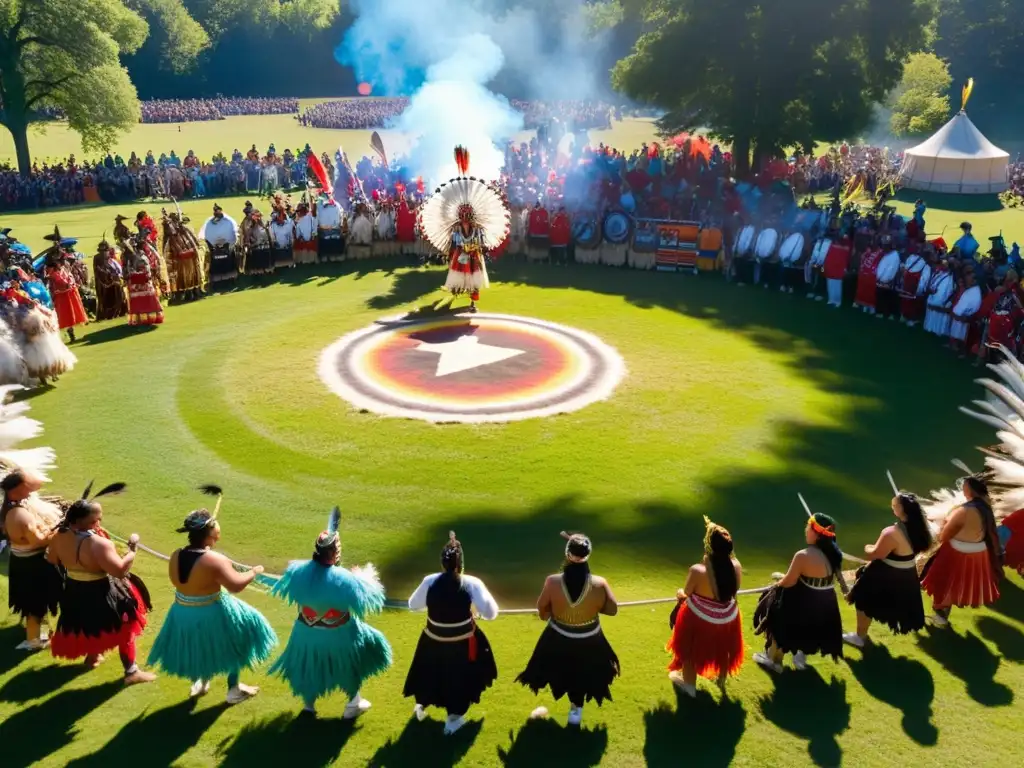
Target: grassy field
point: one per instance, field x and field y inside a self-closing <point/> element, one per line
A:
<point x="736" y="399"/>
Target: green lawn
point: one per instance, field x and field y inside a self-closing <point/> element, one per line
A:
<point x="736" y="399"/>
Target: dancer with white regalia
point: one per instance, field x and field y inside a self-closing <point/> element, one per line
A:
<point x="940" y="290"/>
<point x="964" y="310"/>
<point x="465" y="218"/>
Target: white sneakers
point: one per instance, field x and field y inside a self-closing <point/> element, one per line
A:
<point x="199" y="688"/>
<point x="453" y="723"/>
<point x="38" y="644"/>
<point x="420" y="712"/>
<point x="241" y="693"/>
<point x="762" y="660"/>
<point x="939" y="621"/>
<point x="356" y="707"/>
<point x="852" y="638"/>
<point x="677" y="680"/>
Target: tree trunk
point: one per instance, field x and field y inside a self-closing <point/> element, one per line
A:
<point x="15" y="109"/>
<point x="741" y="155"/>
<point x="19" y="132"/>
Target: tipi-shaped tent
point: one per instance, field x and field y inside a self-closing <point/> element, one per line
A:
<point x="956" y="159"/>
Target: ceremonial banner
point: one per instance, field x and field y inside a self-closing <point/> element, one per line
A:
<point x="675" y="243"/>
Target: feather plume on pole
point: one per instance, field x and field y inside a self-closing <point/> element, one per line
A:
<point x="377" y="145"/>
<point x="892" y="483"/>
<point x="213" y="490"/>
<point x="965" y="93"/>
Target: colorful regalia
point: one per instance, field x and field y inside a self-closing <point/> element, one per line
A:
<point x="1011" y="536"/>
<point x="708" y="632"/>
<point x="331" y="241"/>
<point x="111" y="301"/>
<point x="67" y="302"/>
<point x="465" y="218"/>
<point x="282" y="235"/>
<point x="259" y="258"/>
<point x="144" y="306"/>
<point x="12" y="364"/>
<point x="803" y="619"/>
<point x="331" y="647"/>
<point x="453" y="664"/>
<point x="183" y="254"/>
<point x="304" y="243"/>
<point x="572" y="656"/>
<point x="204" y="636"/>
<point x="44" y="352"/>
<point x="221" y="235"/>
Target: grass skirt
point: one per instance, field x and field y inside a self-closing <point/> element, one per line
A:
<point x="889" y="595"/>
<point x="98" y="616"/>
<point x="706" y="636"/>
<point x="963" y="579"/>
<point x="319" y="660"/>
<point x="34" y="586"/>
<point x="584" y="668"/>
<point x="201" y="642"/>
<point x="801" y="618"/>
<point x="442" y="674"/>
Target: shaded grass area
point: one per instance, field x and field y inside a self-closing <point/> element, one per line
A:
<point x="736" y="399"/>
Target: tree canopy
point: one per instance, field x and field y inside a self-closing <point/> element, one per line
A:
<point x="67" y="54"/>
<point x="770" y="74"/>
<point x="920" y="103"/>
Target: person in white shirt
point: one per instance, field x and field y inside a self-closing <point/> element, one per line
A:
<point x="331" y="241"/>
<point x="282" y="233"/>
<point x="940" y="291"/>
<point x="221" y="235"/>
<point x="964" y="310"/>
<point x="304" y="246"/>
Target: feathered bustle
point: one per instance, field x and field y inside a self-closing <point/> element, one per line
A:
<point x="462" y="160"/>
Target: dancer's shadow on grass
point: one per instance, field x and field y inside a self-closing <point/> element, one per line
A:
<point x="287" y="738"/>
<point x="1010" y="602"/>
<point x="900" y="682"/>
<point x="804" y="705"/>
<point x="967" y="657"/>
<point x="423" y="743"/>
<point x="408" y="286"/>
<point x="34" y="733"/>
<point x="718" y="727"/>
<point x="1007" y="638"/>
<point x="160" y="736"/>
<point x="41" y="681"/>
<point x="113" y="333"/>
<point x="11" y="636"/>
<point x="545" y="742"/>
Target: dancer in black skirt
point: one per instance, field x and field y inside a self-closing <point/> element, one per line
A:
<point x="34" y="584"/>
<point x="800" y="614"/>
<point x="572" y="655"/>
<point x="453" y="664"/>
<point x="888" y="588"/>
<point x="104" y="605"/>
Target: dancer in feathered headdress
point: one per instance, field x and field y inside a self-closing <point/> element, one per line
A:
<point x="28" y="522"/>
<point x="465" y="218"/>
<point x="209" y="632"/>
<point x="104" y="605"/>
<point x="331" y="647"/>
<point x="453" y="664"/>
<point x="572" y="656"/>
<point x="707" y="638"/>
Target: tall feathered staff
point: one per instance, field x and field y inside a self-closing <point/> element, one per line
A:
<point x="213" y="490"/>
<point x="317" y="169"/>
<point x="378" y="146"/>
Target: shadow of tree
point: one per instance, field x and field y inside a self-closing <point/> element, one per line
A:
<point x="33" y="733"/>
<point x="423" y="743"/>
<point x="285" y="738"/>
<point x="545" y="742"/>
<point x="34" y="683"/>
<point x="162" y="736"/>
<point x="720" y="727"/>
<point x="1007" y="638"/>
<point x="900" y="682"/>
<point x="804" y="705"/>
<point x="968" y="658"/>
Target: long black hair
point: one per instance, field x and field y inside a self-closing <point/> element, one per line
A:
<point x="576" y="569"/>
<point x="826" y="542"/>
<point x="916" y="526"/>
<point x="450" y="581"/>
<point x="981" y="502"/>
<point x="719" y="548"/>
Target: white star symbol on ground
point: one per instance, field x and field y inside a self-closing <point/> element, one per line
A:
<point x="466" y="353"/>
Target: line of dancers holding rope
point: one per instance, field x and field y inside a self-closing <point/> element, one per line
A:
<point x="953" y="546"/>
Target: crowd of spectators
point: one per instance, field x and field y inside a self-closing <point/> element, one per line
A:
<point x="198" y="110"/>
<point x="1014" y="196"/>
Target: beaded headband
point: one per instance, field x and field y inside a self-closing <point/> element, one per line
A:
<point x="821" y="530"/>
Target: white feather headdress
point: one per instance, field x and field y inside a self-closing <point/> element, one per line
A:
<point x="439" y="215"/>
<point x="15" y="428"/>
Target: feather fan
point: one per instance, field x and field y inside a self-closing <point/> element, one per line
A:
<point x="317" y="169"/>
<point x="439" y="215"/>
<point x="377" y="144"/>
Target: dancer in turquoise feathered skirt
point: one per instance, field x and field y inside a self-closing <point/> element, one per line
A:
<point x="208" y="632"/>
<point x="331" y="647"/>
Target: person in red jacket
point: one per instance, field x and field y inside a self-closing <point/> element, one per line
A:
<point x="405" y="226"/>
<point x="67" y="302"/>
<point x="537" y="232"/>
<point x="867" y="284"/>
<point x="837" y="261"/>
<point x="561" y="231"/>
<point x="145" y="224"/>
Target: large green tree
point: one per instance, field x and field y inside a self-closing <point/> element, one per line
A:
<point x="67" y="54"/>
<point x="770" y="74"/>
<point x="920" y="103"/>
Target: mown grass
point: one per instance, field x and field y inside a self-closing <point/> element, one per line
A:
<point x="735" y="400"/>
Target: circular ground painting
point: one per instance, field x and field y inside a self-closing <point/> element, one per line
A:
<point x="470" y="368"/>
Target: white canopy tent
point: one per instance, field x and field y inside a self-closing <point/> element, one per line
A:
<point x="957" y="159"/>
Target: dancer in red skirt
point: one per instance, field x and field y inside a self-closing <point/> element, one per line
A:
<point x="67" y="302"/>
<point x="966" y="569"/>
<point x="144" y="306"/>
<point x="707" y="636"/>
<point x="465" y="218"/>
<point x="103" y="605"/>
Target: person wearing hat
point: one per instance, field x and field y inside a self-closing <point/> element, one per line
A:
<point x="966" y="569"/>
<point x="209" y="632"/>
<point x="453" y="664"/>
<point x="108" y="275"/>
<point x="967" y="246"/>
<point x="183" y="253"/>
<point x="221" y="235"/>
<point x="60" y="280"/>
<point x="572" y="656"/>
<point x="331" y="647"/>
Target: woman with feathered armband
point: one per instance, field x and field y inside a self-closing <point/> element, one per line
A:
<point x="331" y="647"/>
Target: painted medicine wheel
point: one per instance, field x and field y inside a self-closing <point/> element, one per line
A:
<point x="470" y="368"/>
